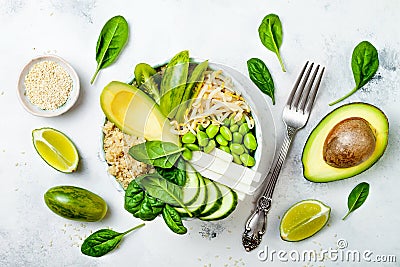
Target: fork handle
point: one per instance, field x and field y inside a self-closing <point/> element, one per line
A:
<point x="255" y="226"/>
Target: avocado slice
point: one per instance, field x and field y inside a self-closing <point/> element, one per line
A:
<point x="345" y="143"/>
<point x="135" y="113"/>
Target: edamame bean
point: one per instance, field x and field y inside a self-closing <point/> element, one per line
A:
<point x="234" y="128"/>
<point x="212" y="130"/>
<point x="188" y="138"/>
<point x="232" y="119"/>
<point x="210" y="146"/>
<point x="244" y="129"/>
<point x="237" y="149"/>
<point x="237" y="138"/>
<point x="192" y="147"/>
<point x="221" y="140"/>
<point x="250" y="141"/>
<point x="226" y="133"/>
<point x="202" y="138"/>
<point x="241" y="121"/>
<point x="200" y="127"/>
<point x="187" y="154"/>
<point x="247" y="160"/>
<point x="225" y="148"/>
<point x="226" y="122"/>
<point x="236" y="159"/>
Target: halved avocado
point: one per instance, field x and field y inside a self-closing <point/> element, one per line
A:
<point x="135" y="113"/>
<point x="345" y="143"/>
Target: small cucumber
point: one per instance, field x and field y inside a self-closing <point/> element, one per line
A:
<point x="75" y="203"/>
<point x="214" y="198"/>
<point x="199" y="204"/>
<point x="229" y="203"/>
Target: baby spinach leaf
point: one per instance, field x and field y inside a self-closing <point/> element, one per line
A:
<point x="270" y="32"/>
<point x="176" y="174"/>
<point x="103" y="241"/>
<point x="112" y="40"/>
<point x="261" y="77"/>
<point x="364" y="63"/>
<point x="173" y="220"/>
<point x="160" y="188"/>
<point x="357" y="197"/>
<point x="156" y="153"/>
<point x="141" y="204"/>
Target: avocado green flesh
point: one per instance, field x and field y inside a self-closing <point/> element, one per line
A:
<point x="316" y="169"/>
<point x="135" y="113"/>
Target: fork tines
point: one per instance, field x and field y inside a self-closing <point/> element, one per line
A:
<point x="303" y="94"/>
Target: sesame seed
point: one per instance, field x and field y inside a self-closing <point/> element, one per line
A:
<point x="48" y="85"/>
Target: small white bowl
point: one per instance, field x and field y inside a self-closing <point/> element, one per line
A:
<point x="73" y="95"/>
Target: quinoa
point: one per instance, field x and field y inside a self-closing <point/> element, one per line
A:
<point x="116" y="145"/>
<point x="48" y="85"/>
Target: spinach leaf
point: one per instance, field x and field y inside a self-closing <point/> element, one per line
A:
<point x="357" y="197"/>
<point x="176" y="174"/>
<point x="173" y="220"/>
<point x="103" y="241"/>
<point x="156" y="153"/>
<point x="270" y="32"/>
<point x="364" y="63"/>
<point x="261" y="77"/>
<point x="112" y="39"/>
<point x="144" y="77"/>
<point x="160" y="188"/>
<point x="141" y="204"/>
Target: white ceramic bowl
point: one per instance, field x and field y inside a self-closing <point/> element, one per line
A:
<point x="73" y="96"/>
<point x="264" y="121"/>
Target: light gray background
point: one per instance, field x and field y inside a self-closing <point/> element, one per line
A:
<point x="222" y="31"/>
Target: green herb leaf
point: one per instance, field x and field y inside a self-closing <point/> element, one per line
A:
<point x="103" y="241"/>
<point x="156" y="153"/>
<point x="158" y="187"/>
<point x="261" y="77"/>
<point x="173" y="220"/>
<point x="141" y="204"/>
<point x="357" y="197"/>
<point x="112" y="40"/>
<point x="176" y="174"/>
<point x="364" y="63"/>
<point x="270" y="32"/>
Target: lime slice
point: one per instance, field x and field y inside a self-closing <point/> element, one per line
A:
<point x="304" y="219"/>
<point x="56" y="149"/>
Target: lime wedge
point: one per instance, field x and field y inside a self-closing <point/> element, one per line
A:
<point x="304" y="219"/>
<point x="56" y="149"/>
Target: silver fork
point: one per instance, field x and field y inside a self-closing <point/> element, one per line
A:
<point x="295" y="116"/>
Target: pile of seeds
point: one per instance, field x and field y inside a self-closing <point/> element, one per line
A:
<point x="48" y="85"/>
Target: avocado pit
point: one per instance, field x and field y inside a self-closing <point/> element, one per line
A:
<point x="349" y="143"/>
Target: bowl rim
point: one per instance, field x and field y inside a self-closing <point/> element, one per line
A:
<point x="72" y="98"/>
<point x="239" y="81"/>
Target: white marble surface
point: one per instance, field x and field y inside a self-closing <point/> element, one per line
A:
<point x="222" y="31"/>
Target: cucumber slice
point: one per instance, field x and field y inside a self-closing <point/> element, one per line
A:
<point x="229" y="203"/>
<point x="191" y="189"/>
<point x="200" y="203"/>
<point x="214" y="198"/>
